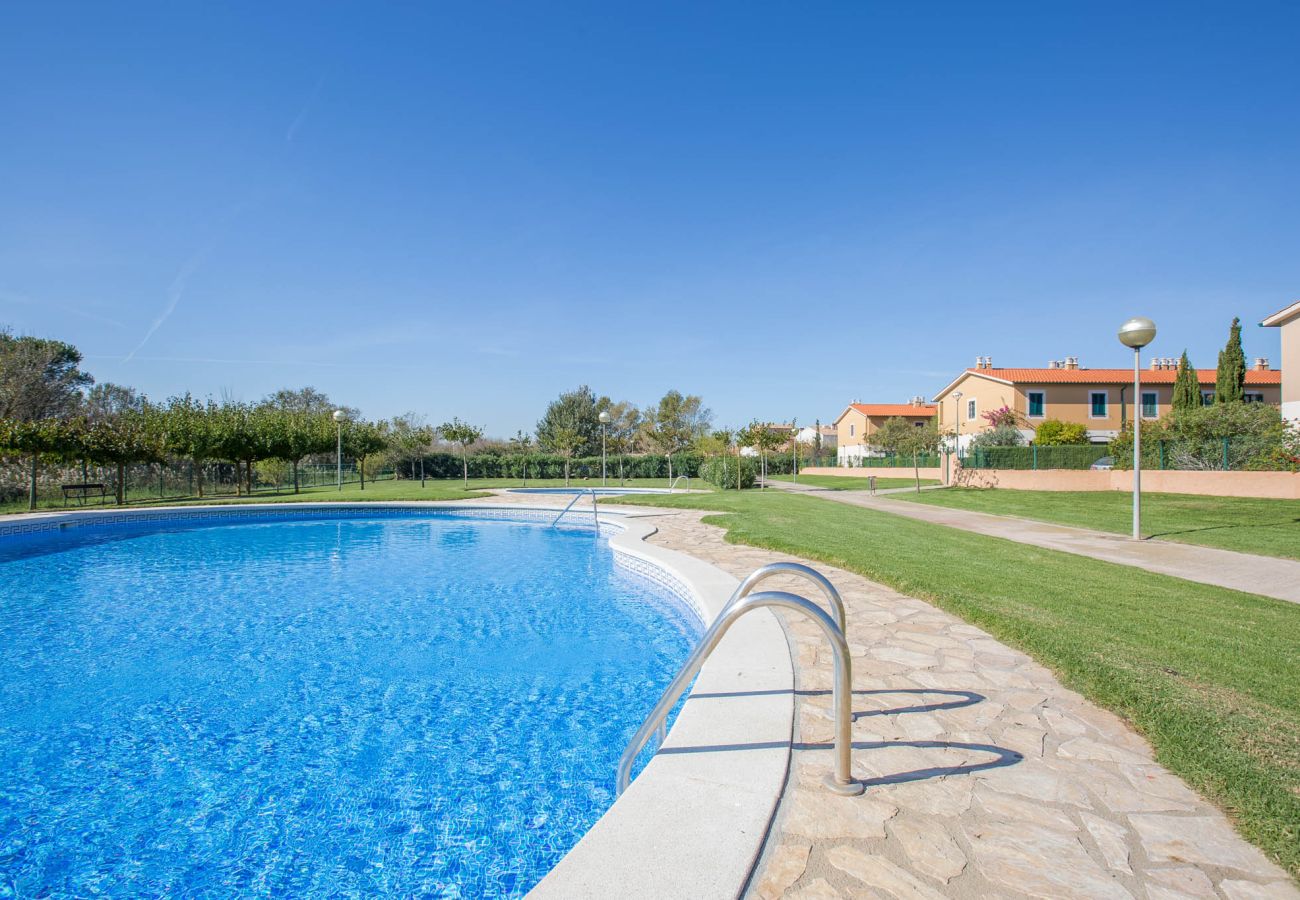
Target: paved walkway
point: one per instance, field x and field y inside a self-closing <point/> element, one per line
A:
<point x="1272" y="577"/>
<point x="986" y="777"/>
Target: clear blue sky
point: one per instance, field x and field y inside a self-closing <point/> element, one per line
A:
<point x="465" y="209"/>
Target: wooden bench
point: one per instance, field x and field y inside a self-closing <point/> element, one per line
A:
<point x="82" y="491"/>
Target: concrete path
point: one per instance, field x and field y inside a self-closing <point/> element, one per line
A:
<point x="1272" y="577"/>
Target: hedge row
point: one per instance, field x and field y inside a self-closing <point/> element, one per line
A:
<point x="1034" y="457"/>
<point x="545" y="465"/>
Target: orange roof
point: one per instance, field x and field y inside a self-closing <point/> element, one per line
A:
<point x="893" y="409"/>
<point x="1113" y="376"/>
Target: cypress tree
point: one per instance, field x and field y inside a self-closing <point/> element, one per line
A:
<point x="1187" y="386"/>
<point x="1230" y="382"/>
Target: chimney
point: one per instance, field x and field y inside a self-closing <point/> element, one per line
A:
<point x="1072" y="362"/>
<point x="1157" y="364"/>
<point x="1261" y="364"/>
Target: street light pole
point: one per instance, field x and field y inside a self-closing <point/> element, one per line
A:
<point x="1137" y="333"/>
<point x="339" y="416"/>
<point x="604" y="469"/>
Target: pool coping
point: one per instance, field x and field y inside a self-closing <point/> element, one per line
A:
<point x="694" y="821"/>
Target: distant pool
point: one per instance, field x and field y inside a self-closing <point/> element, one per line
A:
<point x="398" y="705"/>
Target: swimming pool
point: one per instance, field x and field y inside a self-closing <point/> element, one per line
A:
<point x="574" y="490"/>
<point x="407" y="704"/>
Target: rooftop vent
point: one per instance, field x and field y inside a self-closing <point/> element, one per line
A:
<point x="1261" y="364"/>
<point x="1072" y="362"/>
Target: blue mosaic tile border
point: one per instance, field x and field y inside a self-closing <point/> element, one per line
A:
<point x="662" y="577"/>
<point x="298" y="512"/>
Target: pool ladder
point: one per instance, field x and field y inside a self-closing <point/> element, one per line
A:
<point x="744" y="600"/>
<point x="672" y="485"/>
<point x="595" y="514"/>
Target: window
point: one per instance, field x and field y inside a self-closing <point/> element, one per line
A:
<point x="853" y="429"/>
<point x="1098" y="403"/>
<point x="970" y="410"/>
<point x="1150" y="405"/>
<point x="1037" y="402"/>
<point x="1207" y="398"/>
<point x="1253" y="397"/>
<point x="919" y="424"/>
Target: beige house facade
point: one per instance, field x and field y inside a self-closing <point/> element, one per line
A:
<point x="1099" y="399"/>
<point x="1288" y="320"/>
<point x="859" y="421"/>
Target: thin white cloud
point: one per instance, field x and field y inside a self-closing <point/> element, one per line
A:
<point x="299" y="119"/>
<point x="214" y="360"/>
<point x="174" y="293"/>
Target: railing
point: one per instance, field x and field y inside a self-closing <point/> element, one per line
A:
<point x="595" y="514"/>
<point x="672" y="485"/>
<point x="742" y="602"/>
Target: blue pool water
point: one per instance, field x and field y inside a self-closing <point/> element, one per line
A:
<point x="574" y="490"/>
<point x="399" y="706"/>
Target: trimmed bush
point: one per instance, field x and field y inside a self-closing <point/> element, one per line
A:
<point x="1072" y="457"/>
<point x="1055" y="433"/>
<point x="720" y="471"/>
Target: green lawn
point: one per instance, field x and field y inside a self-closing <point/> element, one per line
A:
<point x="853" y="482"/>
<point x="1210" y="676"/>
<point x="390" y="489"/>
<point x="1267" y="527"/>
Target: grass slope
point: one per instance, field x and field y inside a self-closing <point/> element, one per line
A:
<point x="1266" y="527"/>
<point x="1210" y="676"/>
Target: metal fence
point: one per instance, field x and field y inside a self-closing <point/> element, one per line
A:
<point x="1210" y="454"/>
<point x="75" y="486"/>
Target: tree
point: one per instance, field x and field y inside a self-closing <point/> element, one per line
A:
<point x="130" y="436"/>
<point x="1187" y="386"/>
<point x="35" y="439"/>
<point x="674" y="424"/>
<point x="905" y="439"/>
<point x="39" y="378"/>
<point x="566" y="442"/>
<point x="409" y="438"/>
<point x="575" y="411"/>
<point x="292" y="434"/>
<point x="192" y="433"/>
<point x="521" y="445"/>
<point x="307" y="399"/>
<point x="767" y="441"/>
<point x="236" y="436"/>
<point x="362" y="439"/>
<point x="1230" y="379"/>
<point x="458" y="432"/>
<point x="621" y="433"/>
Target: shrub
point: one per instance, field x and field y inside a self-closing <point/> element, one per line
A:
<point x="1225" y="435"/>
<point x="1003" y="435"/>
<point x="1054" y="433"/>
<point x="720" y="471"/>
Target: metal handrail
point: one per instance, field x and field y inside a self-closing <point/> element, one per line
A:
<point x="841" y="781"/>
<point x="595" y="514"/>
<point x="771" y="570"/>
<point x="672" y="485"/>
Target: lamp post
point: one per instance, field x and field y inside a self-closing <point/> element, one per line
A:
<point x="956" y="401"/>
<point x="1137" y="333"/>
<point x="339" y="416"/>
<point x="604" y="423"/>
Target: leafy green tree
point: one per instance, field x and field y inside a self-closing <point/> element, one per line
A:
<point x="128" y="437"/>
<point x="292" y="434"/>
<point x="1055" y="433"/>
<point x="674" y="424"/>
<point x="566" y="442"/>
<point x="192" y="433"/>
<point x="464" y="434"/>
<point x="39" y="378"/>
<point x="575" y="411"/>
<point x="1187" y="386"/>
<point x="622" y="431"/>
<point x="521" y="445"/>
<point x="36" y="439"/>
<point x="903" y="438"/>
<point x="767" y="441"/>
<point x="1230" y="379"/>
<point x="237" y="436"/>
<point x="409" y="439"/>
<point x="361" y="440"/>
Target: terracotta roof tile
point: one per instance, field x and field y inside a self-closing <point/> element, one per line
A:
<point x="1115" y="376"/>
<point x="893" y="409"/>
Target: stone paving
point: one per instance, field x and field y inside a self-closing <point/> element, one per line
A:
<point x="986" y="777"/>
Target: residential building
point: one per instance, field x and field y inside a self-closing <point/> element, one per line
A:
<point x="1099" y="399"/>
<point x="808" y="436"/>
<point x="859" y="421"/>
<point x="1288" y="320"/>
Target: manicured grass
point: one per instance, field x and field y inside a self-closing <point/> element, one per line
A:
<point x="389" y="489"/>
<point x="852" y="482"/>
<point x="1267" y="527"/>
<point x="1210" y="676"/>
